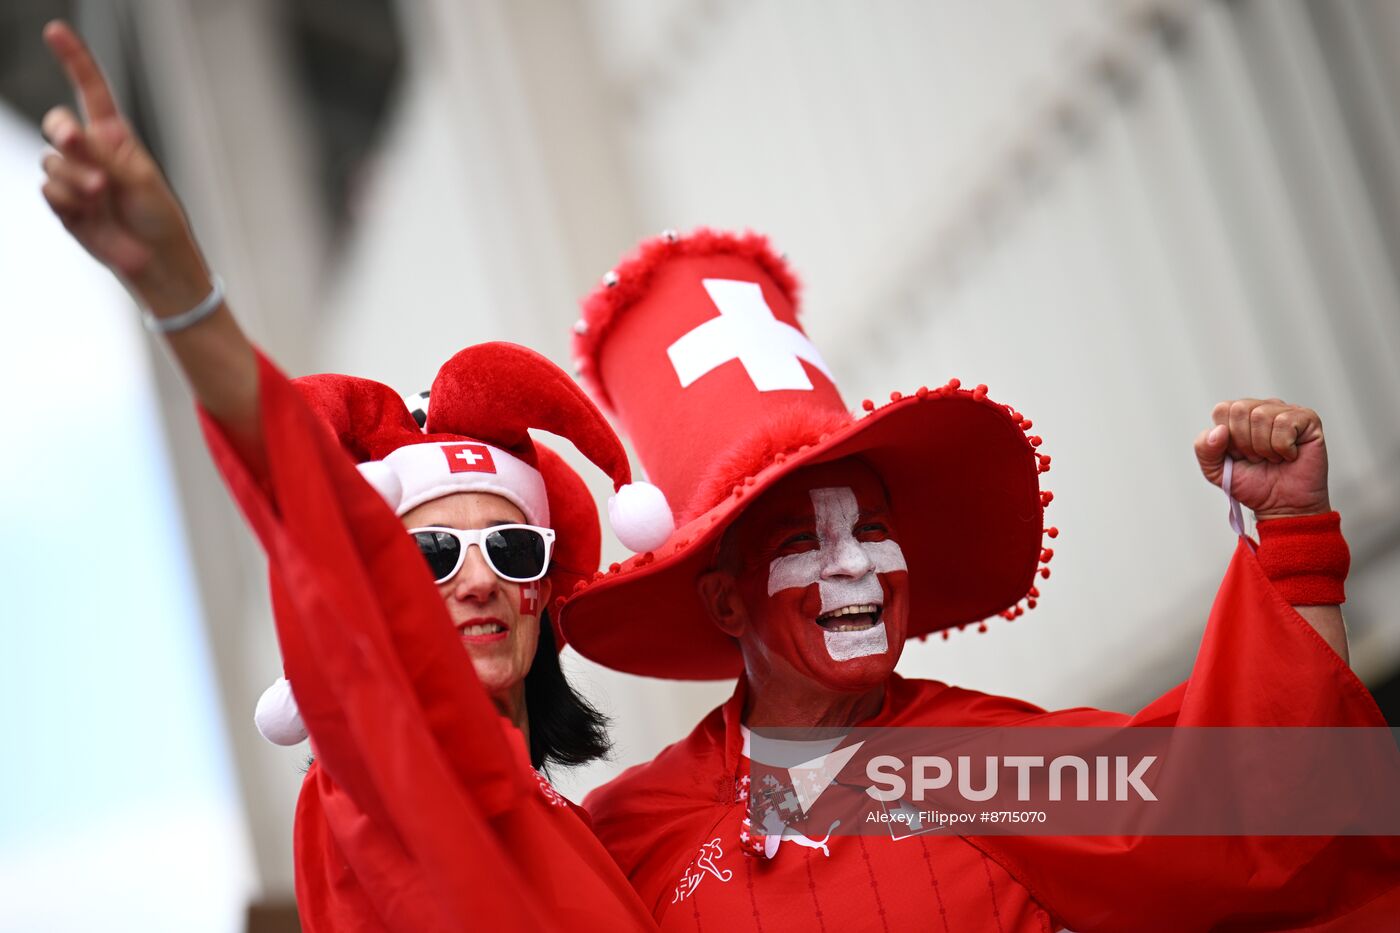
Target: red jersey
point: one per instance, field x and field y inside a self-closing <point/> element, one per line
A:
<point x="677" y="824"/>
<point x="421" y="812"/>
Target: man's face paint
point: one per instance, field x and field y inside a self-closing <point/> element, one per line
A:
<point x="845" y="569"/>
<point x="822" y="578"/>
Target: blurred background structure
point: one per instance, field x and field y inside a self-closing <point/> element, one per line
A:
<point x="1114" y="212"/>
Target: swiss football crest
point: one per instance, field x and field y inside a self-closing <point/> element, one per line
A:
<point x="469" y="458"/>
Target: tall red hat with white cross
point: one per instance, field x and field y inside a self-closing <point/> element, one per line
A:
<point x="694" y="345"/>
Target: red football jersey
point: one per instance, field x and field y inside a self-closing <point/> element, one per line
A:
<point x="677" y="824"/>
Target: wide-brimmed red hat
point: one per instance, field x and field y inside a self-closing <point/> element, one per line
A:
<point x="695" y="347"/>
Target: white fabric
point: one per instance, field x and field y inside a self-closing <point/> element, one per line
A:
<point x="424" y="472"/>
<point x="783" y="752"/>
<point x="1236" y="515"/>
<point x="277" y="717"/>
<point x="770" y="350"/>
<point x="640" y="517"/>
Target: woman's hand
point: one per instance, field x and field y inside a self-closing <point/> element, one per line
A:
<point x="109" y="193"/>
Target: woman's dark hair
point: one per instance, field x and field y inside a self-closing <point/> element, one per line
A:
<point x="565" y="729"/>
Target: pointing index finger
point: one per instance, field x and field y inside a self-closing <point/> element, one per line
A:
<point x="83" y="73"/>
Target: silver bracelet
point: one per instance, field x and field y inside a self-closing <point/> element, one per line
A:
<point x="178" y="322"/>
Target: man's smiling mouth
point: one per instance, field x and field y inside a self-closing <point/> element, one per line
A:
<point x="857" y="618"/>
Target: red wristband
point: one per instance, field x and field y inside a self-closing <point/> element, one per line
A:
<point x="1306" y="558"/>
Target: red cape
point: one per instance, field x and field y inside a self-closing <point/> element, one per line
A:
<point x="421" y="812"/>
<point x="676" y="828"/>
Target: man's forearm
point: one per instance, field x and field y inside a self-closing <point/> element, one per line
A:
<point x="1307" y="559"/>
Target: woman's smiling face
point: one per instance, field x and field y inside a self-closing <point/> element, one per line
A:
<point x="497" y="620"/>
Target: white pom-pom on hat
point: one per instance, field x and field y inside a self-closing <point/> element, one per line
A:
<point x="277" y="717"/>
<point x="385" y="481"/>
<point x="641" y="517"/>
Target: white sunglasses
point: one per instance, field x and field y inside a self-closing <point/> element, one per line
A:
<point x="517" y="553"/>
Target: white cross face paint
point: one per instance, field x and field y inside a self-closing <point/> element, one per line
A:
<point x="845" y="569"/>
<point x="844" y="646"/>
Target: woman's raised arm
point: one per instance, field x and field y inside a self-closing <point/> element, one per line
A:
<point x="111" y="196"/>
